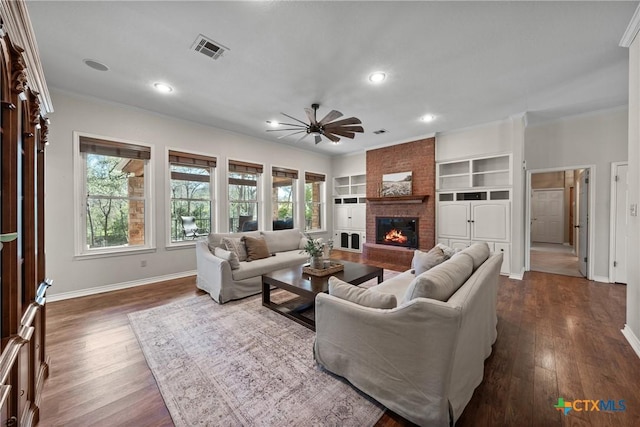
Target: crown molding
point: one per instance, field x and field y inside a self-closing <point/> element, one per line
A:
<point x="17" y="24"/>
<point x="632" y="29"/>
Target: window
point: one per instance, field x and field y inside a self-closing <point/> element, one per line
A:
<point x="191" y="195"/>
<point x="283" y="197"/>
<point x="115" y="208"/>
<point x="313" y="200"/>
<point x="243" y="195"/>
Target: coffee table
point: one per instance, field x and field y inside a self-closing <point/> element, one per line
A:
<point x="294" y="280"/>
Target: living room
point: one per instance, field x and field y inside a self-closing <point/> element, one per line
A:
<point x="594" y="136"/>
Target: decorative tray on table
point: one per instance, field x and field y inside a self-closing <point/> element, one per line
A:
<point x="330" y="267"/>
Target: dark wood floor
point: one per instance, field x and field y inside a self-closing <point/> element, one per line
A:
<point x="558" y="336"/>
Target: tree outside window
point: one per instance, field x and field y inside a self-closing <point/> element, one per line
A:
<point x="190" y="197"/>
<point x="282" y="197"/>
<point x="313" y="198"/>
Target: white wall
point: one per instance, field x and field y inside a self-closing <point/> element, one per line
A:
<point x="88" y="115"/>
<point x="592" y="139"/>
<point x="490" y="138"/>
<point x="632" y="329"/>
<point x="351" y="164"/>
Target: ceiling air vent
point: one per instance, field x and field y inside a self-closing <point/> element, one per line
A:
<point x="208" y="47"/>
<point x="380" y="131"/>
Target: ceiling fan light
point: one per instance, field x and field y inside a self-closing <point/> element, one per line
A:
<point x="273" y="123"/>
<point x="427" y="118"/>
<point x="162" y="87"/>
<point x="377" y="77"/>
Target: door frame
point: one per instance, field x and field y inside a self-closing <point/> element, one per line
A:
<point x="592" y="214"/>
<point x="613" y="218"/>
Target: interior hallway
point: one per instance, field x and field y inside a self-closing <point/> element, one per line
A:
<point x="554" y="258"/>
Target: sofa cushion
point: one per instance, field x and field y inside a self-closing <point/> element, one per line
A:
<point x="448" y="252"/>
<point x="360" y="296"/>
<point x="236" y="245"/>
<point x="396" y="285"/>
<point x="441" y="281"/>
<point x="479" y="252"/>
<point x="282" y="240"/>
<point x="215" y="239"/>
<point x="259" y="267"/>
<point x="256" y="248"/>
<point x="423" y="261"/>
<point x="229" y="256"/>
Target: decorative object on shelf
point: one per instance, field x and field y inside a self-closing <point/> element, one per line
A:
<point x="326" y="127"/>
<point x="396" y="184"/>
<point x="315" y="248"/>
<point x="8" y="237"/>
<point x="327" y="268"/>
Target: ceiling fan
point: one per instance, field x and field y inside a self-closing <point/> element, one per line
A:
<point x="325" y="127"/>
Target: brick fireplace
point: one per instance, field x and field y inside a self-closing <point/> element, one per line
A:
<point x="419" y="158"/>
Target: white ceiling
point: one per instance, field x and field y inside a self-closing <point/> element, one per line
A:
<point x="465" y="62"/>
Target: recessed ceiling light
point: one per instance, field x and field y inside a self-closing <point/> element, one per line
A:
<point x="377" y="77"/>
<point x="162" y="87"/>
<point x="427" y="118"/>
<point x="273" y="123"/>
<point x="95" y="65"/>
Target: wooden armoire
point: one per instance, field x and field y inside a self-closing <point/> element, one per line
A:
<point x="23" y="137"/>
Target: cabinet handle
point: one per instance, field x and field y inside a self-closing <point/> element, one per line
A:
<point x="12" y="421"/>
<point x="21" y="393"/>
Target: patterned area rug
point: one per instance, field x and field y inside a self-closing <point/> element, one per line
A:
<point x="243" y="364"/>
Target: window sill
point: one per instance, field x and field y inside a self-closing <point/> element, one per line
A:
<point x="112" y="253"/>
<point x="173" y="246"/>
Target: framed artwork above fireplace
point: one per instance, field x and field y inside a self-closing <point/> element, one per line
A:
<point x="396" y="184"/>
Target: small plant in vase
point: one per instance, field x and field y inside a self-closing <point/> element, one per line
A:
<point x="315" y="249"/>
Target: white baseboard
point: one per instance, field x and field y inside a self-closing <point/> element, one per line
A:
<point x="517" y="276"/>
<point x="601" y="279"/>
<point x="118" y="286"/>
<point x="632" y="338"/>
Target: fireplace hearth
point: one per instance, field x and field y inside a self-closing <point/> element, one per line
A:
<point x="396" y="231"/>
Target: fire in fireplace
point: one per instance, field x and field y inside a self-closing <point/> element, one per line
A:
<point x="397" y="231"/>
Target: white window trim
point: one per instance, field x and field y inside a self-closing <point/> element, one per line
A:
<point x="260" y="197"/>
<point x="323" y="209"/>
<point x="213" y="193"/>
<point x="80" y="176"/>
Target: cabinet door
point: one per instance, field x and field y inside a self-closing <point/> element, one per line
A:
<point x="342" y="217"/>
<point x="358" y="217"/>
<point x="491" y="220"/>
<point x="453" y="220"/>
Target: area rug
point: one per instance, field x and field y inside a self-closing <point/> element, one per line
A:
<point x="243" y="364"/>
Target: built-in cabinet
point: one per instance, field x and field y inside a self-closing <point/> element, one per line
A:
<point x="23" y="137"/>
<point x="349" y="212"/>
<point x="474" y="204"/>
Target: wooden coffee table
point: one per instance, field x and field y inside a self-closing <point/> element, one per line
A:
<point x="307" y="287"/>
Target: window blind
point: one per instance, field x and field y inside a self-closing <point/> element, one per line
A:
<point x="284" y="172"/>
<point x="237" y="166"/>
<point x="314" y="177"/>
<point x="188" y="159"/>
<point x="115" y="149"/>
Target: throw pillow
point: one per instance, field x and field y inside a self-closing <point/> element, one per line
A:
<point x="229" y="256"/>
<point x="256" y="248"/>
<point x="423" y="261"/>
<point x="479" y="252"/>
<point x="235" y="244"/>
<point x="448" y="252"/>
<point x="360" y="296"/>
<point x="441" y="281"/>
<point x="282" y="240"/>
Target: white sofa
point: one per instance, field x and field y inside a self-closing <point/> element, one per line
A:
<point x="223" y="283"/>
<point x="424" y="358"/>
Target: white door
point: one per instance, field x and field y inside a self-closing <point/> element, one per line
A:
<point x="490" y="221"/>
<point x="358" y="216"/>
<point x="454" y="220"/>
<point x="583" y="222"/>
<point x="621" y="221"/>
<point x="547" y="216"/>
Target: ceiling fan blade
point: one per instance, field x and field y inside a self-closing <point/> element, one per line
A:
<point x="301" y="129"/>
<point x="311" y="115"/>
<point x="333" y="114"/>
<point x="349" y="121"/>
<point x="294" y="124"/>
<point x="291" y="117"/>
<point x="301" y="138"/>
<point x="331" y="137"/>
<point x="294" y="133"/>
<point x="331" y="127"/>
<point x="318" y="139"/>
<point x="340" y="132"/>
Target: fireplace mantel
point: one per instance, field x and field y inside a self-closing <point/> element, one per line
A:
<point x="398" y="199"/>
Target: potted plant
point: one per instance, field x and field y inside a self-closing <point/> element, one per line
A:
<point x="315" y="249"/>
